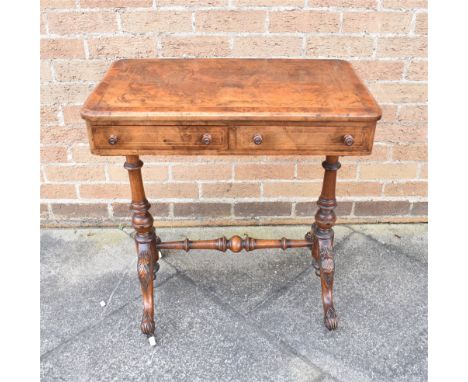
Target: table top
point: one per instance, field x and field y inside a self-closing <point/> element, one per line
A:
<point x="230" y="89"/>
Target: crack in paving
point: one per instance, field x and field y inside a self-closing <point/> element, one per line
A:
<point x="281" y="344"/>
<point x="284" y="347"/>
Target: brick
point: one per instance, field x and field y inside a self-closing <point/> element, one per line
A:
<point x="292" y="189"/>
<point x="201" y="172"/>
<point x="413" y="113"/>
<point x="80" y="70"/>
<point x="115" y="3"/>
<point x="402" y="47"/>
<point x="62" y="48"/>
<point x="260" y="46"/>
<point x="122" y="210"/>
<point x="74" y="173"/>
<point x="339" y="46"/>
<point x="82" y="154"/>
<point x="104" y="191"/>
<point x="42" y="26"/>
<point x="379" y="153"/>
<point x="401" y="132"/>
<point x="46" y="73"/>
<point x="195" y="46"/>
<point x="269" y="3"/>
<point x="64" y="23"/>
<point x="230" y="21"/>
<point x="381" y="208"/>
<point x="122" y="47"/>
<point x="310" y="208"/>
<point x="51" y="4"/>
<point x="255" y="209"/>
<point x="197" y="210"/>
<point x="389" y="113"/>
<point x="404" y="4"/>
<point x="71" y="114"/>
<point x="316" y="171"/>
<point x="64" y="135"/>
<point x="172" y="191"/>
<point x="410" y="152"/>
<point x="150" y="173"/>
<point x="230" y="190"/>
<point x="424" y="171"/>
<point x="372" y="70"/>
<point x="49" y="115"/>
<point x="421" y="26"/>
<point x="63" y="93"/>
<point x="191" y="3"/>
<point x="358" y="189"/>
<point x="58" y="191"/>
<point x="81" y="210"/>
<point x="255" y="171"/>
<point x="161" y="21"/>
<point x="44" y="209"/>
<point x="399" y="92"/>
<point x="417" y="70"/>
<point x="388" y="171"/>
<point x="343" y="3"/>
<point x="406" y="189"/>
<point x="304" y="21"/>
<point x="53" y="154"/>
<point x="377" y="22"/>
<point x="420" y="208"/>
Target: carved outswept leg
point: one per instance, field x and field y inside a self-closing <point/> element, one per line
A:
<point x="322" y="250"/>
<point x="145" y="240"/>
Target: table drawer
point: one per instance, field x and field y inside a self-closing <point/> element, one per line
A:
<point x="304" y="139"/>
<point x="164" y="138"/>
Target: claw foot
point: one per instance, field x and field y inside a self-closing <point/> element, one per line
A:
<point x="147" y="324"/>
<point x="331" y="319"/>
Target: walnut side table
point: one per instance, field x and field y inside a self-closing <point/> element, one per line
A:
<point x="231" y="107"/>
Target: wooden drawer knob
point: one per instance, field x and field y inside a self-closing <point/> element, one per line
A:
<point x="348" y="140"/>
<point x="206" y="139"/>
<point x="113" y="139"/>
<point x="257" y="139"/>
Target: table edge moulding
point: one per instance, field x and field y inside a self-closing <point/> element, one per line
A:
<point x="231" y="107"/>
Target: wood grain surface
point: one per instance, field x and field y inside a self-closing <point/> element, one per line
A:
<point x="231" y="107"/>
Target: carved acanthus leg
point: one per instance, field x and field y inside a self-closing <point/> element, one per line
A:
<point x="145" y="240"/>
<point x="322" y="250"/>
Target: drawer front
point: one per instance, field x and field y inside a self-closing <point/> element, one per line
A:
<point x="163" y="138"/>
<point x="305" y="139"/>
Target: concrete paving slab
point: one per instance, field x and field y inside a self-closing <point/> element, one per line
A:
<point x="381" y="298"/>
<point x="249" y="316"/>
<point x="197" y="340"/>
<point x="79" y="269"/>
<point x="410" y="239"/>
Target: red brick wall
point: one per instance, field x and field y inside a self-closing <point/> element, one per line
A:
<point x="386" y="41"/>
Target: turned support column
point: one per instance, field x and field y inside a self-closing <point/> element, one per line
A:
<point x="322" y="236"/>
<point x="145" y="240"/>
